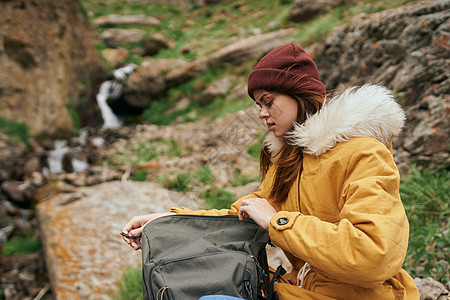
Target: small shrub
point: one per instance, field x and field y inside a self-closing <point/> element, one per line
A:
<point x="140" y="175"/>
<point x="240" y="180"/>
<point x="18" y="132"/>
<point x="156" y="113"/>
<point x="426" y="196"/>
<point x="174" y="150"/>
<point x="180" y="182"/>
<point x="21" y="245"/>
<point x="204" y="175"/>
<point x="130" y="286"/>
<point x="144" y="152"/>
<point x="74" y="115"/>
<point x="217" y="198"/>
<point x="254" y="150"/>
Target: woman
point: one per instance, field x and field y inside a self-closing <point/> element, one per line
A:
<point x="330" y="191"/>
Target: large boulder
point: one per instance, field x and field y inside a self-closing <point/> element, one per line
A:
<point x="48" y="62"/>
<point x="85" y="253"/>
<point x="405" y="49"/>
<point x="115" y="37"/>
<point x="115" y="57"/>
<point x="126" y="20"/>
<point x="187" y="4"/>
<point x="148" y="81"/>
<point x="252" y="47"/>
<point x="305" y="10"/>
<point x="430" y="289"/>
<point x="156" y="43"/>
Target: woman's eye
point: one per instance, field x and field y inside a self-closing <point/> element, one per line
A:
<point x="269" y="103"/>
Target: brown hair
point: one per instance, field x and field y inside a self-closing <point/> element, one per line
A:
<point x="290" y="157"/>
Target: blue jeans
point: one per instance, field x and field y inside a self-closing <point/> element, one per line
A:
<point x="218" y="297"/>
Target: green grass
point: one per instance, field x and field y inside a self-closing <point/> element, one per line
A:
<point x="140" y="175"/>
<point x="204" y="175"/>
<point x="426" y="196"/>
<point x="240" y="180"/>
<point x="130" y="285"/>
<point x="18" y="132"/>
<point x="22" y="244"/>
<point x="217" y="198"/>
<point x="74" y="116"/>
<point x="254" y="150"/>
<point x="180" y="182"/>
<point x="151" y="149"/>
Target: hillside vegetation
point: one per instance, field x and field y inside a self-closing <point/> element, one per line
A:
<point x="204" y="30"/>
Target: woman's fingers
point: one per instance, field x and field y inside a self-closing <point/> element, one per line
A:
<point x="258" y="209"/>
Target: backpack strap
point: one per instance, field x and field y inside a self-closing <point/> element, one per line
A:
<point x="271" y="294"/>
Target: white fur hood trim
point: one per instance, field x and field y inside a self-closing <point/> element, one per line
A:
<point x="369" y="110"/>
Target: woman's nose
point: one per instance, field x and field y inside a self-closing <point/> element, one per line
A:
<point x="263" y="113"/>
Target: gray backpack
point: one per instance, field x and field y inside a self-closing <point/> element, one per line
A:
<point x="185" y="257"/>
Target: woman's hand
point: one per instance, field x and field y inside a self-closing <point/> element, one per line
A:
<point x="258" y="209"/>
<point x="135" y="226"/>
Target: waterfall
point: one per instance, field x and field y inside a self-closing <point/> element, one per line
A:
<point x="60" y="149"/>
<point x="56" y="155"/>
<point x="112" y="89"/>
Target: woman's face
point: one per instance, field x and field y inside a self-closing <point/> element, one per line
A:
<point x="277" y="110"/>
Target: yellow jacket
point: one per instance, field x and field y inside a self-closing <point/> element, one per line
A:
<point x="344" y="217"/>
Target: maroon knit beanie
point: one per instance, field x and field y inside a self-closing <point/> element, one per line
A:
<point x="286" y="60"/>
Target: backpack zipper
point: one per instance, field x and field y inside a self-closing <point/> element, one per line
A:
<point x="259" y="268"/>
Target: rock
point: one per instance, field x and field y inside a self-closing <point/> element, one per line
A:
<point x="52" y="189"/>
<point x="139" y="51"/>
<point x="186" y="49"/>
<point x="93" y="180"/>
<point x="155" y="43"/>
<point x="305" y="10"/>
<point x="47" y="60"/>
<point x="430" y="289"/>
<point x="186" y="72"/>
<point x="16" y="193"/>
<point x="273" y="24"/>
<point x="216" y="89"/>
<point x="32" y="165"/>
<point x="115" y="57"/>
<point x="37" y="179"/>
<point x="76" y="179"/>
<point x="395" y="48"/>
<point x="187" y="4"/>
<point x="85" y="253"/>
<point x="5" y="232"/>
<point x="10" y="153"/>
<point x="24" y="277"/>
<point x="116" y="37"/>
<point x="126" y="20"/>
<point x="250" y="48"/>
<point x="67" y="165"/>
<point x="148" y="82"/>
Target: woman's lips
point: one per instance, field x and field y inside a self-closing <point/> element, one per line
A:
<point x="271" y="126"/>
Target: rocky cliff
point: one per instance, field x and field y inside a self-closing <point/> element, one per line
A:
<point x="47" y="62"/>
<point x="406" y="50"/>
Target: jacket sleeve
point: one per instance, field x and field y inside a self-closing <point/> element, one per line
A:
<point x="368" y="244"/>
<point x="261" y="193"/>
